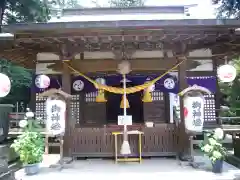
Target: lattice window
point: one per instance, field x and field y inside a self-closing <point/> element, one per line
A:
<point x="155" y="111"/>
<point x="41" y="108"/>
<point x="75" y="107"/>
<point x="209" y="108"/>
<point x="157" y="96"/>
<point x="91" y="96"/>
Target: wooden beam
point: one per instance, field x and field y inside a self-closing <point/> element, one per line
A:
<point x="111" y="66"/>
<point x="145" y="59"/>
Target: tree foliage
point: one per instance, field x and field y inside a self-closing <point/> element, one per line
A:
<point x="64" y="3"/>
<point x="231" y="93"/>
<point x="126" y="3"/>
<point x="21" y="80"/>
<point x="20" y="11"/>
<point x="228" y="8"/>
<point x="24" y="11"/>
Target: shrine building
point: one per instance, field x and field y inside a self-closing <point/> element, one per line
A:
<point x="93" y="42"/>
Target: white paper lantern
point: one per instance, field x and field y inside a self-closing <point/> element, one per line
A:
<point x="194" y="113"/>
<point x="124" y="67"/>
<point x="227" y="73"/>
<point x="5" y="85"/>
<point x="23" y="123"/>
<point x="42" y="81"/>
<point x="56" y="116"/>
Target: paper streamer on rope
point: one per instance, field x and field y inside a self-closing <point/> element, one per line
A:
<point x="128" y="90"/>
<point x="101" y="95"/>
<point x="147" y="96"/>
<point x="122" y="103"/>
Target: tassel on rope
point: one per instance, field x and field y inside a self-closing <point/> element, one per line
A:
<point x="101" y="97"/>
<point x="122" y="103"/>
<point x="147" y="96"/>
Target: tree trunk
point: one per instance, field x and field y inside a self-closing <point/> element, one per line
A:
<point x="2" y="9"/>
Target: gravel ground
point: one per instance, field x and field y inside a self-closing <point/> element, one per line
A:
<point x="155" y="168"/>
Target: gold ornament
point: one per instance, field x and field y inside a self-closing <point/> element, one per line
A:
<point x="101" y="97"/>
<point x="122" y="103"/>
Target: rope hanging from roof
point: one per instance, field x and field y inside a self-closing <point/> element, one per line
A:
<point x="121" y="90"/>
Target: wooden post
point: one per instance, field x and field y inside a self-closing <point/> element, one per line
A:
<point x="180" y="51"/>
<point x="215" y="62"/>
<point x="66" y="87"/>
<point x="183" y="139"/>
<point x="46" y="144"/>
<point x="32" y="103"/>
<point x="62" y="98"/>
<point x="67" y="53"/>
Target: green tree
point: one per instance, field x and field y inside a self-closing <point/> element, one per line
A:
<point x="13" y="11"/>
<point x="231" y="93"/>
<point x="21" y="80"/>
<point x="65" y="3"/>
<point x="126" y="3"/>
<point x="228" y="8"/>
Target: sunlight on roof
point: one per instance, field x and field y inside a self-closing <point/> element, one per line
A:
<point x="119" y="17"/>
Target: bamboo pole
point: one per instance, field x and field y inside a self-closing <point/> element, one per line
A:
<point x="125" y="149"/>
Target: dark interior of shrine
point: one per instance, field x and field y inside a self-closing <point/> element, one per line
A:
<point x="113" y="105"/>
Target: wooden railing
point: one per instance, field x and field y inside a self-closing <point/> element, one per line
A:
<point x="89" y="142"/>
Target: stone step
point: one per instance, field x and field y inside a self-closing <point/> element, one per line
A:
<point x="3" y="165"/>
<point x="233" y="160"/>
<point x="7" y="176"/>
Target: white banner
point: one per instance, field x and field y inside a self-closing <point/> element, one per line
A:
<point x="194" y="113"/>
<point x="56" y="113"/>
<point x="125" y="120"/>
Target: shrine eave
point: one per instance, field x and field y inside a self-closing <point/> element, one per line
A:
<point x="123" y="24"/>
<point x="32" y="38"/>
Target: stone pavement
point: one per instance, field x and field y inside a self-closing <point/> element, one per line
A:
<point x="160" y="168"/>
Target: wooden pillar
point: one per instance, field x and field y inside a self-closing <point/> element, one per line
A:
<point x="66" y="87"/>
<point x="32" y="103"/>
<point x="183" y="137"/>
<point x="216" y="61"/>
<point x="67" y="51"/>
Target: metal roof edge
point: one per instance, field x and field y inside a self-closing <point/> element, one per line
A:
<point x="120" y="24"/>
<point x="124" y="10"/>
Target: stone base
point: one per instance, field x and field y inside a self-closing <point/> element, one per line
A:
<point x="7" y="176"/>
<point x="5" y="173"/>
<point x="65" y="163"/>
